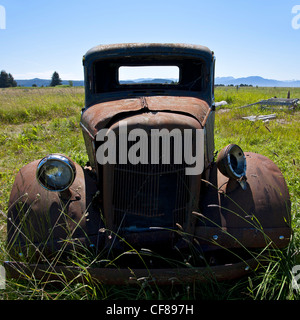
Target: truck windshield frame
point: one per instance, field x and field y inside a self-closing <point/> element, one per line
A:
<point x="192" y="75"/>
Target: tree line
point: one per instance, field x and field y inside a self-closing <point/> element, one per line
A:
<point x="232" y="85"/>
<point x="8" y="81"/>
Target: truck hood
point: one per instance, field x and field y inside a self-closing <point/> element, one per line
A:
<point x="101" y="114"/>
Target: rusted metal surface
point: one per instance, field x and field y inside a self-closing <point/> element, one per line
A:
<point x="210" y="212"/>
<point x="132" y="276"/>
<point x="119" y="50"/>
<point x="103" y="114"/>
<point x="150" y="178"/>
<point x="37" y="216"/>
<point x="230" y="237"/>
<point x="99" y="115"/>
<point x="253" y="217"/>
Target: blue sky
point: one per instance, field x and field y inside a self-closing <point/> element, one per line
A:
<point x="248" y="37"/>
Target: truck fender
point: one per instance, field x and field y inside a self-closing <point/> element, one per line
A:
<point x="38" y="217"/>
<point x="250" y="217"/>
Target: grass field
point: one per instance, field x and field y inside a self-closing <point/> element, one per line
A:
<point x="39" y="121"/>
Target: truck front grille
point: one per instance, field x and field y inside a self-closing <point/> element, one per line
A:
<point x="149" y="195"/>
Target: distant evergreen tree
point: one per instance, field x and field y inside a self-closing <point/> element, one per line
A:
<point x="7" y="80"/>
<point x="3" y="79"/>
<point x="11" y="81"/>
<point x="55" y="80"/>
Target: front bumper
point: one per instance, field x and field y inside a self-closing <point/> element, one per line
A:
<point x="45" y="273"/>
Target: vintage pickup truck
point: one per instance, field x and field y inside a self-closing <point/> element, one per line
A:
<point x="155" y="197"/>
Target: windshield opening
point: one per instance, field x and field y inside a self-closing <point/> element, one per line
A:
<point x="136" y="75"/>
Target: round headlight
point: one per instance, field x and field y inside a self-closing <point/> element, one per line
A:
<point x="56" y="172"/>
<point x="231" y="162"/>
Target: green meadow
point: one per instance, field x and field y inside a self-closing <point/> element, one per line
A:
<point x="38" y="121"/>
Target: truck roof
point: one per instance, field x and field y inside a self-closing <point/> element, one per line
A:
<point x="157" y="49"/>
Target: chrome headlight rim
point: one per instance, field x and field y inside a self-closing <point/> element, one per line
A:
<point x="232" y="162"/>
<point x="62" y="159"/>
<point x="238" y="169"/>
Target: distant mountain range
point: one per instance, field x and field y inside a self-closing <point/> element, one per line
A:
<point x="147" y="80"/>
<point x="45" y="83"/>
<point x="253" y="80"/>
<point x="256" y="81"/>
